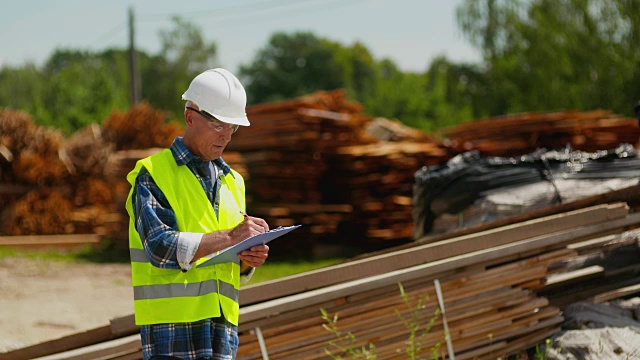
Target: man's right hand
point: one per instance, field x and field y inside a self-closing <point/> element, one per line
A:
<point x="218" y="240"/>
<point x="249" y="227"/>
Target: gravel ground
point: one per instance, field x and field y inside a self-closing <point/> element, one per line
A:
<point x="42" y="300"/>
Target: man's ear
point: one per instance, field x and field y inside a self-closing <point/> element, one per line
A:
<point x="188" y="118"/>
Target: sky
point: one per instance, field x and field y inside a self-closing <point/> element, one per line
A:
<point x="409" y="32"/>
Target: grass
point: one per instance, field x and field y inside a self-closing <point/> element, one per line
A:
<point x="278" y="269"/>
<point x="109" y="253"/>
<point x="106" y="252"/>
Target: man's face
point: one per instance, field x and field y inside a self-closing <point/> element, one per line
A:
<point x="208" y="136"/>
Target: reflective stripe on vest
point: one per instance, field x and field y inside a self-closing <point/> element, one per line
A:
<point x="148" y="292"/>
<point x="171" y="295"/>
<point x="158" y="291"/>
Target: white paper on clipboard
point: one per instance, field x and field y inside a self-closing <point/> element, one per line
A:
<point x="230" y="254"/>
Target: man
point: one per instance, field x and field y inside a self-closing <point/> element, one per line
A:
<point x="187" y="203"/>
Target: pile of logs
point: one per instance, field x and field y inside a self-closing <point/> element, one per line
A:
<point x="348" y="176"/>
<point x="481" y="290"/>
<point x="516" y="134"/>
<point x="50" y="184"/>
<point x="316" y="160"/>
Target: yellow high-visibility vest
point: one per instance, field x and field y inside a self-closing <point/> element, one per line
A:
<point x="171" y="295"/>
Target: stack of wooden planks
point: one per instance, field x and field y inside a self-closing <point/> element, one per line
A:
<point x="320" y="150"/>
<point x="318" y="155"/>
<point x="378" y="179"/>
<point x="348" y="175"/>
<point x="491" y="283"/>
<point x="517" y="134"/>
<point x="50" y="184"/>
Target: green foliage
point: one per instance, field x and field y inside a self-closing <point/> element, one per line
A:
<point x="184" y="54"/>
<point x="417" y="330"/>
<point x="554" y="54"/>
<point x="344" y="347"/>
<point x="541" y="354"/>
<point x="75" y="88"/>
<point x="538" y="55"/>
<point x="345" y="344"/>
<point x="293" y="65"/>
<point x="79" y="90"/>
<point x="297" y="64"/>
<point x="22" y="88"/>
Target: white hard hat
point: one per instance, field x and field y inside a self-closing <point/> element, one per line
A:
<point x="219" y="92"/>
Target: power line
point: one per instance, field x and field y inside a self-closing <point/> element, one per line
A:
<point x="230" y="13"/>
<point x="234" y="12"/>
<point x="111" y="33"/>
<point x="236" y="8"/>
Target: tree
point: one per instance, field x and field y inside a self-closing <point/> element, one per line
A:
<point x="291" y="66"/>
<point x="79" y="88"/>
<point x="21" y="88"/>
<point x="75" y="87"/>
<point x="552" y="54"/>
<point x="436" y="99"/>
<point x="184" y="54"/>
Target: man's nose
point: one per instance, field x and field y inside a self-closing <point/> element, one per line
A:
<point x="226" y="134"/>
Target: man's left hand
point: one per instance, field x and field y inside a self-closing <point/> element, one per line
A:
<point x="256" y="256"/>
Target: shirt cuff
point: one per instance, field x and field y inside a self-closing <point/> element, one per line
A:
<point x="188" y="244"/>
<point x="244" y="278"/>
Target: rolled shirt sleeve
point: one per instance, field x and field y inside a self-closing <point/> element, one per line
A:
<point x="188" y="244"/>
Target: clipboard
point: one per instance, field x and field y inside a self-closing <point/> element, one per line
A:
<point x="230" y="254"/>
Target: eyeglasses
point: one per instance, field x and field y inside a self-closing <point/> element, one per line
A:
<point x="214" y="123"/>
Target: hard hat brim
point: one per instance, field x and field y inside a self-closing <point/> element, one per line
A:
<point x="243" y="121"/>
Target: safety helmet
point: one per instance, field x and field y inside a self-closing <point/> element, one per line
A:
<point x="219" y="93"/>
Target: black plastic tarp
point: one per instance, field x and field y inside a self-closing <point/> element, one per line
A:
<point x="452" y="187"/>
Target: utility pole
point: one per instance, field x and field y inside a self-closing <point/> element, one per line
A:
<point x="134" y="74"/>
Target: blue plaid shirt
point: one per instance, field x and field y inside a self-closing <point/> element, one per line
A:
<point x="157" y="225"/>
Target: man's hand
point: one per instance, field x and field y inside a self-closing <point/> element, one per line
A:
<point x="256" y="256"/>
<point x="249" y="227"/>
<point x="218" y="240"/>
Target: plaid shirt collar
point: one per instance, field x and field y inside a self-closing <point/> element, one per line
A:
<point x="183" y="156"/>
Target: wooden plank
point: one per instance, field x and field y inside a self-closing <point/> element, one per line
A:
<point x="594" y="243"/>
<point x="277" y="306"/>
<point x="62" y="344"/>
<point x="124" y="325"/>
<point x="49" y="240"/>
<point x="617" y="293"/>
<point x="429" y="252"/>
<point x="566" y="278"/>
<point x="105" y="350"/>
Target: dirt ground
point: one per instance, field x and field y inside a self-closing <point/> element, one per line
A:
<point x="42" y="300"/>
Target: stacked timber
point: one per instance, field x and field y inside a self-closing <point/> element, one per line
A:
<point x="347" y="176"/>
<point x="50" y="184"/>
<point x="378" y="180"/>
<point x="31" y="173"/>
<point x="515" y="134"/>
<point x="321" y="120"/>
<point x="285" y="153"/>
<point x="481" y="289"/>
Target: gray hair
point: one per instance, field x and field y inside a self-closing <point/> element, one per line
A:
<point x="191" y="104"/>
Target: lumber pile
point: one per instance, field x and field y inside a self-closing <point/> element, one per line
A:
<point x="50" y="184"/>
<point x="378" y="180"/>
<point x="516" y="134"/>
<point x="315" y="160"/>
<point x="320" y="152"/>
<point x="491" y="283"/>
<point x="347" y="177"/>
